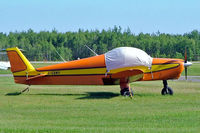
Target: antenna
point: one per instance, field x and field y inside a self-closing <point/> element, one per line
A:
<point x="59" y="54"/>
<point x="91" y="50"/>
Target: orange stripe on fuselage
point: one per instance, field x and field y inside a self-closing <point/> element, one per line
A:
<point x="91" y="62"/>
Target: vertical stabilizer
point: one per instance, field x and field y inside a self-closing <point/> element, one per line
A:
<point x="18" y="61"/>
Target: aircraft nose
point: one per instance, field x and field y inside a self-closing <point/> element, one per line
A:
<point x="187" y="64"/>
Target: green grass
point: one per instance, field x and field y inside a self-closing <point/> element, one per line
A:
<point x="99" y="108"/>
<point x="5" y="72"/>
<point x="193" y="70"/>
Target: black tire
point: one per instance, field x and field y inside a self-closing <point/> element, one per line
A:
<point x="170" y="91"/>
<point x="166" y="91"/>
<point x="125" y="92"/>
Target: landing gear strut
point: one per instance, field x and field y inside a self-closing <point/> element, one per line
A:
<point x="125" y="88"/>
<point x="166" y="90"/>
<point x="27" y="89"/>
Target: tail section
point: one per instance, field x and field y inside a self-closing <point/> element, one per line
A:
<point x="20" y="66"/>
<point x="18" y="61"/>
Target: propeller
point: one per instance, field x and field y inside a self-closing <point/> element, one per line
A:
<point x="186" y="63"/>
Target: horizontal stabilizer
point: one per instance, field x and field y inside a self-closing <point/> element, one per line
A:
<point x="38" y="76"/>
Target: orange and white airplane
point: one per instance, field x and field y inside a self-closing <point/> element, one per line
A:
<point x="120" y="66"/>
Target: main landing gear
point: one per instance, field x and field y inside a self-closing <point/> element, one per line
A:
<point x="127" y="92"/>
<point x="166" y="90"/>
<point x="125" y="88"/>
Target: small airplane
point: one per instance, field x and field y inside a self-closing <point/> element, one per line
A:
<point x="120" y="66"/>
<point x="4" y="65"/>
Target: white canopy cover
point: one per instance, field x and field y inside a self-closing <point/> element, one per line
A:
<point x="127" y="57"/>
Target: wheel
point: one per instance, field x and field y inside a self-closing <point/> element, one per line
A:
<point x="164" y="91"/>
<point x="125" y="92"/>
<point x="167" y="90"/>
<point x="170" y="91"/>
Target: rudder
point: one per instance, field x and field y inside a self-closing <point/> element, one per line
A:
<point x="18" y="61"/>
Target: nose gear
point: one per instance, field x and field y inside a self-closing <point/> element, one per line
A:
<point x="166" y="90"/>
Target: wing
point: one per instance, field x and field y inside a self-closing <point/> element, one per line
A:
<point x="133" y="75"/>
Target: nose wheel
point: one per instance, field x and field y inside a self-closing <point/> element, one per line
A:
<point x="166" y="90"/>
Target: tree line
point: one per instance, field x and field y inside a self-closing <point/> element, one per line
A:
<point x="43" y="45"/>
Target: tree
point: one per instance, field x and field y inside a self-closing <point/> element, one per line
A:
<point x="71" y="45"/>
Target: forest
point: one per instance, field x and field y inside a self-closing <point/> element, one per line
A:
<point x="42" y="46"/>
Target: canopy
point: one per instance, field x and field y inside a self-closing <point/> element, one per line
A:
<point x="127" y="57"/>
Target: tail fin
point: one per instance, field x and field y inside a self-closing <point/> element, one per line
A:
<point x="21" y="68"/>
<point x="18" y="61"/>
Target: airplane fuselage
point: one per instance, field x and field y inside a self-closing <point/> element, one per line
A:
<point x="92" y="71"/>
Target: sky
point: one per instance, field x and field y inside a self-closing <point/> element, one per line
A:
<point x="147" y="16"/>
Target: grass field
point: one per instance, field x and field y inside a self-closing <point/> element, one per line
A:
<point x="90" y="109"/>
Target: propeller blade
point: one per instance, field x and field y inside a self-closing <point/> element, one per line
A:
<point x="186" y="73"/>
<point x="185" y="62"/>
<point x="185" y="55"/>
